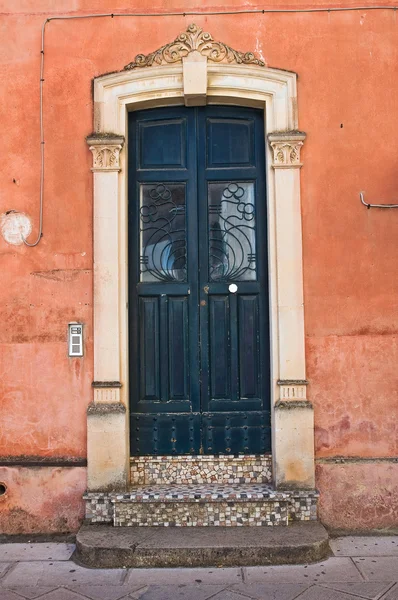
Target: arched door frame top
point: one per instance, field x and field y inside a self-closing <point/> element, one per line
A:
<point x="275" y="92"/>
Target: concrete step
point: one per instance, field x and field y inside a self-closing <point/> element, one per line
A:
<point x="105" y="546"/>
<point x="211" y="505"/>
<point x="198" y="469"/>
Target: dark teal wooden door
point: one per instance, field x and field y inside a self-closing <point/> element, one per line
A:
<point x="198" y="297"/>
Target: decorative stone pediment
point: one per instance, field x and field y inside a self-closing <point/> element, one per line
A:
<point x="191" y="40"/>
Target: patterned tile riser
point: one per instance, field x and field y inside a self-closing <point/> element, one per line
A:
<point x="99" y="507"/>
<point x="300" y="506"/>
<point x="303" y="509"/>
<point x="199" y="493"/>
<point x="223" y="514"/>
<point x="157" y="470"/>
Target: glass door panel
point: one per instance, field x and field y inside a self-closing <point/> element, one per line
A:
<point x="232" y="231"/>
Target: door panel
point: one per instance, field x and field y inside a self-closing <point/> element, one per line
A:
<point x="219" y="342"/>
<point x="249" y="346"/>
<point x="177" y="350"/>
<point x="199" y="343"/>
<point x="149" y="349"/>
<point x="246" y="432"/>
<point x="162" y="143"/>
<point x="165" y="433"/>
<point x="230" y="142"/>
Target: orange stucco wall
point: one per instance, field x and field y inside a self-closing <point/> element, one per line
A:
<point x="347" y="64"/>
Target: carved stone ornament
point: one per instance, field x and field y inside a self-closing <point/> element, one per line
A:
<point x="194" y="39"/>
<point x="292" y="390"/>
<point x="286" y="149"/>
<point x="106" y="152"/>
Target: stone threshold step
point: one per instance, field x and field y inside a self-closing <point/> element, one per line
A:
<point x="104" y="546"/>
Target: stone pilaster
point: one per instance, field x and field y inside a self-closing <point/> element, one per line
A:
<point x="107" y="438"/>
<point x="293" y="443"/>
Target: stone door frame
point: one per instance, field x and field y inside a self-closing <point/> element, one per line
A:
<point x="189" y="82"/>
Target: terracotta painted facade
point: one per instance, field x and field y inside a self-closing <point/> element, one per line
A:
<point x="347" y="66"/>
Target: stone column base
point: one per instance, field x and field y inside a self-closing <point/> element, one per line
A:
<point x="107" y="447"/>
<point x="294" y="445"/>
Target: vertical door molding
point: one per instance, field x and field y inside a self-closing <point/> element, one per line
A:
<point x="275" y="92"/>
<point x="293" y="437"/>
<point x="107" y="449"/>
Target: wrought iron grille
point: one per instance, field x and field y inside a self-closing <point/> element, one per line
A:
<point x="232" y="241"/>
<point x="163" y="232"/>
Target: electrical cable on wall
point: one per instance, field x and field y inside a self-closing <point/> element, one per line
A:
<point x="170" y="14"/>
<point x="361" y="195"/>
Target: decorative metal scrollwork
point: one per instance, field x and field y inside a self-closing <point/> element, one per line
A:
<point x="232" y="245"/>
<point x="163" y="235"/>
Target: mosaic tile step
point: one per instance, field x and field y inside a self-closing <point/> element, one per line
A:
<point x="212" y="505"/>
<point x="201" y="493"/>
<point x="205" y="514"/>
<point x="223" y="469"/>
<point x="205" y="505"/>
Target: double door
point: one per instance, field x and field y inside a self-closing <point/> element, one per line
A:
<point x="198" y="299"/>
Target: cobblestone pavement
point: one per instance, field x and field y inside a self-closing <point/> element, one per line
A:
<point x="361" y="567"/>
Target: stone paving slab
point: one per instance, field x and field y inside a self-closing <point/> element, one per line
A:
<point x="179" y="592"/>
<point x="227" y="595"/>
<point x="333" y="569"/>
<point x="378" y="568"/>
<point x="270" y="591"/>
<point x="107" y="592"/>
<point x="368" y="590"/>
<point x="8" y="595"/>
<point x="60" y="573"/>
<point x="4" y="568"/>
<point x="35" y="551"/>
<point x="365" y="546"/>
<point x="320" y="593"/>
<point x="31" y="593"/>
<point x="392" y="594"/>
<point x="184" y="576"/>
<point x="61" y="594"/>
<point x="95" y="592"/>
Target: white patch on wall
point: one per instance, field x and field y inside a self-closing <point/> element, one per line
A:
<point x="14" y="225"/>
<point x="259" y="49"/>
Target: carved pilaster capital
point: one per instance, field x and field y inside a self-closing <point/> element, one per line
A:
<point x="286" y="148"/>
<point x="106" y="151"/>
